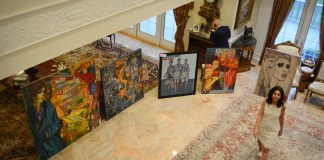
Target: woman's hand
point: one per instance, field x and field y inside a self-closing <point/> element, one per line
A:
<point x="255" y="132"/>
<point x="280" y="132"/>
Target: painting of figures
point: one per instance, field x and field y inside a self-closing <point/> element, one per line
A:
<point x="277" y="69"/>
<point x="178" y="74"/>
<point x="219" y="71"/>
<point x="122" y="83"/>
<point x="62" y="107"/>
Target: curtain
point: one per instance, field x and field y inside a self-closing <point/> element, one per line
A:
<point x="279" y="13"/>
<point x="321" y="56"/>
<point x="181" y="17"/>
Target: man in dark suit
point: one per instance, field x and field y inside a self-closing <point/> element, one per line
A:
<point x="220" y="34"/>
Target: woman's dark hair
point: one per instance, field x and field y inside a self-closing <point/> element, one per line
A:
<point x="280" y="101"/>
<point x="34" y="88"/>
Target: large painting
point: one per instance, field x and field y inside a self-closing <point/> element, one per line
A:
<point x="178" y="74"/>
<point x="244" y="12"/>
<point x="62" y="107"/>
<point x="122" y="83"/>
<point x="278" y="69"/>
<point x="219" y="70"/>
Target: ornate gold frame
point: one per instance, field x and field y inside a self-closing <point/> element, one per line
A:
<point x="244" y="12"/>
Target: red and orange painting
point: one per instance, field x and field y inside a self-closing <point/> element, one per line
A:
<point x="219" y="71"/>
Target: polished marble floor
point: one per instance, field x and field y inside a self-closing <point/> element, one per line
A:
<point x="133" y="44"/>
<point x="157" y="129"/>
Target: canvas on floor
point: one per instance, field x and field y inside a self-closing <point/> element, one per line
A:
<point x="277" y="69"/>
<point x="122" y="83"/>
<point x="178" y="74"/>
<point x="62" y="107"/>
<point x="220" y="70"/>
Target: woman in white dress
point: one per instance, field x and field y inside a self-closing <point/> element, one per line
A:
<point x="270" y="121"/>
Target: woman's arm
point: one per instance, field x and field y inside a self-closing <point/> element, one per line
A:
<point x="282" y="119"/>
<point x="260" y="116"/>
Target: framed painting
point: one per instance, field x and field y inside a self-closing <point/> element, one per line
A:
<point x="204" y="28"/>
<point x="62" y="107"/>
<point x="220" y="70"/>
<point x="122" y="83"/>
<point x="244" y="12"/>
<point x="196" y="28"/>
<point x="277" y="69"/>
<point x="178" y="74"/>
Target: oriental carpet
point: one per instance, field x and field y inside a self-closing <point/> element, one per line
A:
<point x="230" y="135"/>
<point x="16" y="141"/>
<point x="104" y="53"/>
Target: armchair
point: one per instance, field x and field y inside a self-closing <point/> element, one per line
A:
<point x="292" y="49"/>
<point x="318" y="85"/>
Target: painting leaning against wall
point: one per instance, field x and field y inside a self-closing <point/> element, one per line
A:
<point x="122" y="83"/>
<point x="178" y="74"/>
<point x="62" y="107"/>
<point x="220" y="70"/>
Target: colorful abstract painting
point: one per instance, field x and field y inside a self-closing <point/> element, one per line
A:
<point x="219" y="71"/>
<point x="277" y="69"/>
<point x="122" y="83"/>
<point x="62" y="107"/>
<point x="178" y="74"/>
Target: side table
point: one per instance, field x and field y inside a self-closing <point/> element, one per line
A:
<point x="304" y="79"/>
<point x="308" y="63"/>
<point x="198" y="43"/>
<point x="44" y="69"/>
<point x="247" y="45"/>
<point x="111" y="35"/>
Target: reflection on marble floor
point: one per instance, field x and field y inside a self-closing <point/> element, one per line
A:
<point x="157" y="129"/>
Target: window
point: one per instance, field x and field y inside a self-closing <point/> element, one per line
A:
<point x="149" y="26"/>
<point x="170" y="27"/>
<point x="302" y="27"/>
<point x="159" y="30"/>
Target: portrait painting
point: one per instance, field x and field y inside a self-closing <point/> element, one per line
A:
<point x="277" y="69"/>
<point x="122" y="83"/>
<point x="220" y="70"/>
<point x="178" y="74"/>
<point x="244" y="12"/>
<point x="62" y="107"/>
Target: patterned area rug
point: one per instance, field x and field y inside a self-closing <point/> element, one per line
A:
<point x="16" y="141"/>
<point x="230" y="135"/>
<point x="104" y="53"/>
